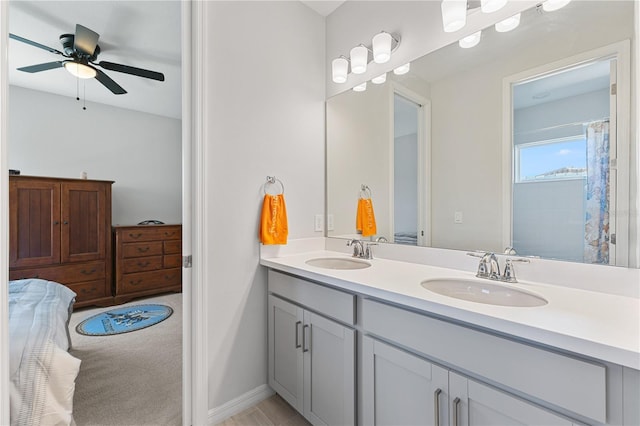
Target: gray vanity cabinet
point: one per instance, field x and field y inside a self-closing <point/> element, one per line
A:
<point x="311" y="357"/>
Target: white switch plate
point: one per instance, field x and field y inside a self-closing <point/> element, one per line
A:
<point x="329" y="222"/>
<point x="457" y="217"/>
<point x="319" y="223"/>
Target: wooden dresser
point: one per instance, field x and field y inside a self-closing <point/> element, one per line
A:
<point x="148" y="260"/>
<point x="59" y="230"/>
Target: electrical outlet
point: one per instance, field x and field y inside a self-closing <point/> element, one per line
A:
<point x="329" y="222"/>
<point x="457" y="217"/>
<point x="319" y="223"/>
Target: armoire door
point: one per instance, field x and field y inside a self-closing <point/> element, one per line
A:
<point x="34" y="223"/>
<point x="83" y="233"/>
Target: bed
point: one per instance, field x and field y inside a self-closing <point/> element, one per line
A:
<point x="42" y="372"/>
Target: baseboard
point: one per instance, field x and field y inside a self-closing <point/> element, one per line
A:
<point x="241" y="403"/>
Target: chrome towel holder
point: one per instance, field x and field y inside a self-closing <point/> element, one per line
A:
<point x="272" y="180"/>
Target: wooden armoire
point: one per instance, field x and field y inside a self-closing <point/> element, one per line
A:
<point x="60" y="230"/>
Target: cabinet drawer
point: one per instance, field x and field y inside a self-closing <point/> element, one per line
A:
<point x="151" y="234"/>
<point x="89" y="290"/>
<point x="173" y="247"/>
<point x="172" y="261"/>
<point x="63" y="274"/>
<point x="141" y="264"/>
<point x="142" y="249"/>
<point x="561" y="380"/>
<point x="140" y="281"/>
<point x="330" y="302"/>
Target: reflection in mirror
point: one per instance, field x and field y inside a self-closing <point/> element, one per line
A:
<point x="462" y="171"/>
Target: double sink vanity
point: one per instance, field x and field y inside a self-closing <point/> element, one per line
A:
<point x="383" y="341"/>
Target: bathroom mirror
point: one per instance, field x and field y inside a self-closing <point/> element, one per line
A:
<point x="444" y="160"/>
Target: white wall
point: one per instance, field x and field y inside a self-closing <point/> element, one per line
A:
<point x="50" y="135"/>
<point x="264" y="107"/>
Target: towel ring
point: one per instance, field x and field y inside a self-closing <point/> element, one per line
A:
<point x="364" y="189"/>
<point x="272" y="180"/>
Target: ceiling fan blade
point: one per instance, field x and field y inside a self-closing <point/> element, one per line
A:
<point x="132" y="70"/>
<point x="42" y="67"/>
<point x="109" y="83"/>
<point x="85" y="40"/>
<point x="33" y="43"/>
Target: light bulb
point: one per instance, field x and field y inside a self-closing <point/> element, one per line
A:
<point x="360" y="87"/>
<point x="402" y="69"/>
<point x="339" y="70"/>
<point x="551" y="5"/>
<point x="80" y="70"/>
<point x="454" y="14"/>
<point x="508" y="24"/>
<point x="489" y="6"/>
<point x="379" y="79"/>
<point x="470" y="41"/>
<point x="359" y="56"/>
<point x="381" y="47"/>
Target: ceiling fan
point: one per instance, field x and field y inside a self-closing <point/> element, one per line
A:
<point x="81" y="50"/>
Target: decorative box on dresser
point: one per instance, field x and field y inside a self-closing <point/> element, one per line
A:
<point x="59" y="230"/>
<point x="148" y="260"/>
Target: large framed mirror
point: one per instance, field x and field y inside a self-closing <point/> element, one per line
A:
<point x="443" y="148"/>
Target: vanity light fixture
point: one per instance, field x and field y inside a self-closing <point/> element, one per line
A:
<point x="490" y="6"/>
<point x="383" y="45"/>
<point x="359" y="58"/>
<point x="470" y="41"/>
<point x="402" y="69"/>
<point x="508" y="24"/>
<point x="360" y="87"/>
<point x="379" y="79"/>
<point x="454" y="15"/>
<point x="340" y="69"/>
<point x="551" y="5"/>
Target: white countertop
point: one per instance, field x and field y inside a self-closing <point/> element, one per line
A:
<point x="598" y="325"/>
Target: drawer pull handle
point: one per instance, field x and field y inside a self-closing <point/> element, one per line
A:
<point x="135" y="282"/>
<point x="143" y="264"/>
<point x="304" y="338"/>
<point x="138" y="235"/>
<point x="436" y="407"/>
<point x="296" y="330"/>
<point x="84" y="271"/>
<point x="89" y="290"/>
<point x="456" y="403"/>
<point x="168" y="277"/>
<point x="143" y="249"/>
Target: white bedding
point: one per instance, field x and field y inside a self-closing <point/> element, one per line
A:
<point x="42" y="372"/>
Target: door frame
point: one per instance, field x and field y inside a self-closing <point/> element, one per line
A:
<point x="194" y="358"/>
<point x="622" y="52"/>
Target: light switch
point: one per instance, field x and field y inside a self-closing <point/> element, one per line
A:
<point x="319" y="223"/>
<point x="457" y="217"/>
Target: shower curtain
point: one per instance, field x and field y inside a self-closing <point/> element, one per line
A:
<point x="596" y="244"/>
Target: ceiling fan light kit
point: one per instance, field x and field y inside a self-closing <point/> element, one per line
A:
<point x="81" y="50"/>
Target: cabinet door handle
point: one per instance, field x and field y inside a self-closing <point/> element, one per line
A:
<point x="304" y="338"/>
<point x="456" y="403"/>
<point x="66" y="222"/>
<point x="297" y="328"/>
<point x="56" y="222"/>
<point x="436" y="407"/>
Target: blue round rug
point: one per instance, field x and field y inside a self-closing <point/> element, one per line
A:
<point x="124" y="320"/>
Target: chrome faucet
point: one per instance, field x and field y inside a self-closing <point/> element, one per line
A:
<point x="358" y="248"/>
<point x="490" y="268"/>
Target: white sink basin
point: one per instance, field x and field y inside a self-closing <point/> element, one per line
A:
<point x="338" y="263"/>
<point x="483" y="292"/>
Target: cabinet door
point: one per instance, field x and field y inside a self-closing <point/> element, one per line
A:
<point x="329" y="371"/>
<point x="84" y="210"/>
<point x="285" y="351"/>
<point x="472" y="403"/>
<point x="400" y="388"/>
<point x="34" y="223"/>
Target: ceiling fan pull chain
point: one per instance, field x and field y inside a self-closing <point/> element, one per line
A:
<point x="77" y="88"/>
<point x="84" y="97"/>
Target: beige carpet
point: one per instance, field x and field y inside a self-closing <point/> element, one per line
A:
<point x="132" y="378"/>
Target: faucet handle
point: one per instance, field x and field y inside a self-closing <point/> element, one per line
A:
<point x="509" y="274"/>
<point x="368" y="251"/>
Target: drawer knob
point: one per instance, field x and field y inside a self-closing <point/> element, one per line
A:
<point x="84" y="271"/>
<point x="143" y="249"/>
<point x="138" y="235"/>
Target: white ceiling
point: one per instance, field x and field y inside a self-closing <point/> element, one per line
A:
<point x="143" y="34"/>
<point x="323" y="7"/>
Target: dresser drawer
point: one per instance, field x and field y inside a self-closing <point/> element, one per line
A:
<point x="65" y="274"/>
<point x="88" y="290"/>
<point x="151" y="234"/>
<point x="151" y="280"/>
<point x="142" y="249"/>
<point x="141" y="264"/>
<point x="173" y="247"/>
<point x="172" y="261"/>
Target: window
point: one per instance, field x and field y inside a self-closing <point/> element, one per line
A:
<point x="551" y="160"/>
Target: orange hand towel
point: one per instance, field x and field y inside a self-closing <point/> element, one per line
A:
<point x="273" y="221"/>
<point x="365" y="218"/>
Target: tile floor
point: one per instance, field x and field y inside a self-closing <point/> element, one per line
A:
<point x="273" y="411"/>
